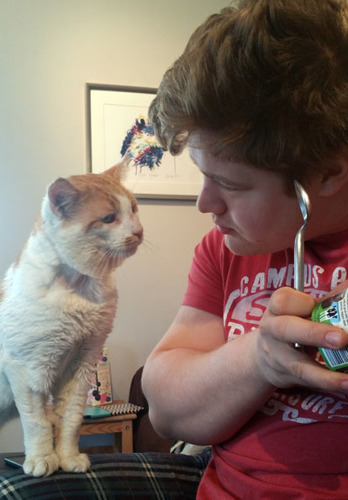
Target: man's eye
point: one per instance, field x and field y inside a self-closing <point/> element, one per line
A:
<point x="228" y="187"/>
<point x="108" y="219"/>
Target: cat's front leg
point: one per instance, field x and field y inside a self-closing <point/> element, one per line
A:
<point x="41" y="459"/>
<point x="69" y="409"/>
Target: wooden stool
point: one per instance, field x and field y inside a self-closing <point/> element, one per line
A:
<point x="112" y="425"/>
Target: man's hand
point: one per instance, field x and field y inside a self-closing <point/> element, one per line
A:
<point x="286" y="322"/>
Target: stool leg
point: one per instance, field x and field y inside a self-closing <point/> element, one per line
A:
<point x="127" y="437"/>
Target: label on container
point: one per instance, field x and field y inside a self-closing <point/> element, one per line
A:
<point x="334" y="311"/>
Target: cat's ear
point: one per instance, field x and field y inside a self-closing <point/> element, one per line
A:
<point x="120" y="169"/>
<point x="64" y="198"/>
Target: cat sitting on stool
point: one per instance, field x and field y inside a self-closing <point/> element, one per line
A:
<point x="57" y="306"/>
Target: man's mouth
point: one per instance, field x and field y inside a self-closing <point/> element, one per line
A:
<point x="223" y="229"/>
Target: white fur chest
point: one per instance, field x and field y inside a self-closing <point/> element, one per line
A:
<point x="50" y="314"/>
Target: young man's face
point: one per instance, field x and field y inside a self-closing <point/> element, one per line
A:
<point x="248" y="205"/>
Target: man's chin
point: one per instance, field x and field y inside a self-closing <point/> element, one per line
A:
<point x="230" y="244"/>
<point x="237" y="247"/>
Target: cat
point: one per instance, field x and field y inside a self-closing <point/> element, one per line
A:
<point x="57" y="306"/>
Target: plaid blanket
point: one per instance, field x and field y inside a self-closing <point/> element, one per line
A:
<point x="114" y="476"/>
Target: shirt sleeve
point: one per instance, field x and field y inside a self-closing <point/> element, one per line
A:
<point x="205" y="287"/>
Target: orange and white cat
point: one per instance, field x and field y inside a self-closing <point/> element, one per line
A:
<point x="58" y="303"/>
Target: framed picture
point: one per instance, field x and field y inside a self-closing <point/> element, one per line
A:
<point x="117" y="125"/>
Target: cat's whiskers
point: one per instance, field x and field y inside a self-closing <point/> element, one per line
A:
<point x="148" y="244"/>
<point x="104" y="262"/>
<point x="112" y="258"/>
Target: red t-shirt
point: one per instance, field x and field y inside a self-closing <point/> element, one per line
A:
<point x="295" y="446"/>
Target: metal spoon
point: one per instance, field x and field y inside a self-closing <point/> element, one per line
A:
<point x="305" y="206"/>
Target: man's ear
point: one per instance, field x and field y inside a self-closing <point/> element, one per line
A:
<point x="336" y="177"/>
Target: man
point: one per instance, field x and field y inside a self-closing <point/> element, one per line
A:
<point x="260" y="97"/>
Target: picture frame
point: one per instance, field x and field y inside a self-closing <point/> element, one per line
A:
<point x="117" y="124"/>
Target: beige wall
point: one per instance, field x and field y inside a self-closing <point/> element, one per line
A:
<point x="49" y="50"/>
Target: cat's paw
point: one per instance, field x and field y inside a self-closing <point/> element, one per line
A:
<point x="41" y="465"/>
<point x="75" y="463"/>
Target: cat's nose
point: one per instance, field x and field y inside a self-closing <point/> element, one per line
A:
<point x="139" y="233"/>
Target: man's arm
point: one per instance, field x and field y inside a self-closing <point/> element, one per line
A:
<point x="192" y="383"/>
<point x="203" y="390"/>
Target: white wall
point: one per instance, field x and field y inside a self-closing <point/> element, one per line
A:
<point x="49" y="50"/>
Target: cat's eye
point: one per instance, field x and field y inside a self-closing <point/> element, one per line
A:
<point x="134" y="208"/>
<point x="108" y="219"/>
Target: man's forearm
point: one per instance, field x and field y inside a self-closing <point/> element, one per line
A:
<point x="204" y="397"/>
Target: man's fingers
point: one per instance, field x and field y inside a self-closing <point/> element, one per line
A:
<point x="292" y="329"/>
<point x="287" y="301"/>
<point x="310" y="374"/>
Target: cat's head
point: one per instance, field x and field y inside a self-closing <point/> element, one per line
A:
<point x="92" y="221"/>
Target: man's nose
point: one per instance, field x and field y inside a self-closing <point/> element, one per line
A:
<point x="210" y="199"/>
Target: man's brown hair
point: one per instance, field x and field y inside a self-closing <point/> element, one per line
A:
<point x="270" y="77"/>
